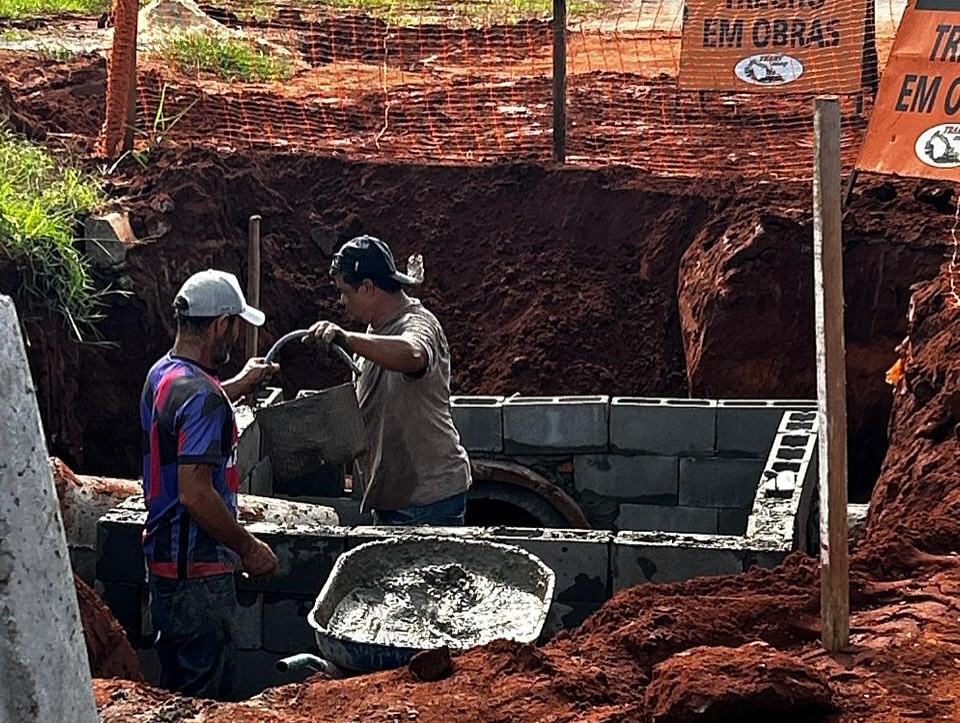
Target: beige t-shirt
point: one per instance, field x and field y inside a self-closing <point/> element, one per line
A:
<point x="414" y="456"/>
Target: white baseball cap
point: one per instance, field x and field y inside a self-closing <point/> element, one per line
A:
<point x="215" y="293"/>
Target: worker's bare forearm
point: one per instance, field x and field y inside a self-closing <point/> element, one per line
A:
<point x="211" y="514"/>
<point x="236" y="388"/>
<point x="395" y="353"/>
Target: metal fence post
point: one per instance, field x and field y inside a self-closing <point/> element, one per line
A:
<point x="560" y="81"/>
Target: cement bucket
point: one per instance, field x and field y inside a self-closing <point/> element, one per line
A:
<point x="302" y="434"/>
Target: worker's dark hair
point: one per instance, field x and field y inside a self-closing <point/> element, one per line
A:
<point x="391" y="286"/>
<point x="196" y="325"/>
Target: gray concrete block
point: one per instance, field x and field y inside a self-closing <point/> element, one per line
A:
<point x="248" y="448"/>
<point x="285" y="626"/>
<point x="358" y="535"/>
<point x="261" y="478"/>
<point x="108" y="238"/>
<point x="544" y="425"/>
<point x="664" y="518"/>
<point x="149" y="664"/>
<point x="722" y="483"/>
<point x="479" y="420"/>
<point x="46" y="675"/>
<point x="125" y="601"/>
<point x="799" y="421"/>
<point x="580" y="559"/>
<point x="305" y="556"/>
<point x="663" y="426"/>
<point x="746" y="427"/>
<point x="788" y="491"/>
<point x="642" y="477"/>
<point x="248" y="621"/>
<point x="255" y="671"/>
<point x="120" y="547"/>
<point x="640" y="557"/>
<point x="732" y="522"/>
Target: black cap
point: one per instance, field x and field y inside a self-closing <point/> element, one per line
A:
<point x="368" y="257"/>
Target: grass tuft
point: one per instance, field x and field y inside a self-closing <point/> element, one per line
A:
<point x="40" y="203"/>
<point x="35" y="8"/>
<point x="232" y="59"/>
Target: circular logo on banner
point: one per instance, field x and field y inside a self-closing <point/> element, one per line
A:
<point x="940" y="146"/>
<point x="768" y="69"/>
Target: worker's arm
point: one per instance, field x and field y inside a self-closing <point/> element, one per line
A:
<point x="396" y="353"/>
<point x="405" y="353"/>
<point x="211" y="514"/>
<point x="254" y="372"/>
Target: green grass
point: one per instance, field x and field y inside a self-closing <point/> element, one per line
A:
<point x="34" y="8"/>
<point x="229" y="58"/>
<point x="495" y="11"/>
<point x="415" y="12"/>
<point x="40" y="203"/>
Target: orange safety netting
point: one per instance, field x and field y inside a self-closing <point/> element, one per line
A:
<point x="465" y="82"/>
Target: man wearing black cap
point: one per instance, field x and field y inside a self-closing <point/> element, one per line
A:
<point x="415" y="472"/>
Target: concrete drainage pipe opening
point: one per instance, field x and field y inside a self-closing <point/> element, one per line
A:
<point x="501" y="503"/>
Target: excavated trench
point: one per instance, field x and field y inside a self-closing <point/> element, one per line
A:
<point x="548" y="281"/>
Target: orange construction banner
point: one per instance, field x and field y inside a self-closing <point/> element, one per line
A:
<point x="774" y="46"/>
<point x="914" y="129"/>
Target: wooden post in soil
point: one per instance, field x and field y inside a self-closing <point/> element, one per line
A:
<point x="831" y="376"/>
<point x="253" y="282"/>
<point x="560" y="81"/>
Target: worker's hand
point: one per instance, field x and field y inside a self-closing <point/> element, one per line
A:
<point x="325" y="333"/>
<point x="258" y="560"/>
<point x="255" y="372"/>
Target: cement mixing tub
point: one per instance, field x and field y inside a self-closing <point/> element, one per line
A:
<point x="386" y="601"/>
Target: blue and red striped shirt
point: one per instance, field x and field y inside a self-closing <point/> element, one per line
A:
<point x="186" y="418"/>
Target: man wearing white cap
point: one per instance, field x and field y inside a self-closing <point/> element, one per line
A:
<point x="192" y="541"/>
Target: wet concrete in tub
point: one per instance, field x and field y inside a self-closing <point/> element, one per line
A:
<point x="427" y="606"/>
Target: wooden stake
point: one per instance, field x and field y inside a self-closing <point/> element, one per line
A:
<point x="831" y="376"/>
<point x="253" y="282"/>
<point x="560" y="81"/>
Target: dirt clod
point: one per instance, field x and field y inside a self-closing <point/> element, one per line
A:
<point x="752" y="682"/>
<point x="108" y="649"/>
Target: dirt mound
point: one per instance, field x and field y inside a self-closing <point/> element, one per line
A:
<point x="914" y="517"/>
<point x="108" y="650"/>
<point x="745" y="299"/>
<point x="55" y="96"/>
<point x="752" y="682"/>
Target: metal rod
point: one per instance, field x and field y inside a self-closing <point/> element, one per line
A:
<point x="299" y="334"/>
<point x="253" y="282"/>
<point x="342" y="353"/>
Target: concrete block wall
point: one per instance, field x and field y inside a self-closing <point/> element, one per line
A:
<point x="675" y="465"/>
<point x="271" y="615"/>
<point x="630" y="463"/>
<point x="784" y="503"/>
<point x="590" y="565"/>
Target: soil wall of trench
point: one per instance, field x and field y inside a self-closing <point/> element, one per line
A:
<point x="548" y="281"/>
